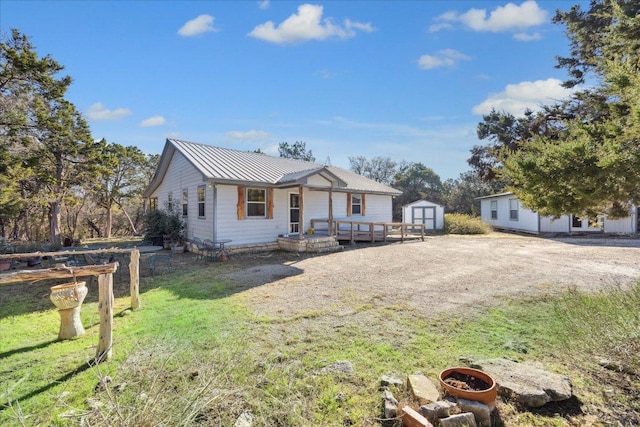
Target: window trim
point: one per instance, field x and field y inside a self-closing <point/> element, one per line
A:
<point x="170" y="201"/>
<point x="494" y="209"/>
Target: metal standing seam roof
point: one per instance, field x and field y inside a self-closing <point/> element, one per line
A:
<point x="491" y="196"/>
<point x="225" y="164"/>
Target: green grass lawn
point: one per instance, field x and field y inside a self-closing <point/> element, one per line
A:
<point x="195" y="355"/>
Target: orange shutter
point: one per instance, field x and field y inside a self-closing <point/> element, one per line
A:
<point x="348" y="204"/>
<point x="240" y="202"/>
<point x="270" y="203"/>
<point x="363" y="210"/>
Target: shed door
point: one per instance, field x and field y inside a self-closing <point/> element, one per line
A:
<point x="424" y="215"/>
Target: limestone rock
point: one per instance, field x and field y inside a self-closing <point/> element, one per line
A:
<point x="338" y="367"/>
<point x="423" y="389"/>
<point x="390" y="404"/>
<point x="390" y="380"/>
<point x="481" y="412"/>
<point x="245" y="419"/>
<point x="530" y="385"/>
<point x="436" y="410"/>
<point x="459" y="420"/>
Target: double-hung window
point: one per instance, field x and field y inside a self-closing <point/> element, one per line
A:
<point x="185" y="202"/>
<point x="513" y="209"/>
<point x="494" y="209"/>
<point x="201" y="200"/>
<point x="256" y="203"/>
<point x="356" y="204"/>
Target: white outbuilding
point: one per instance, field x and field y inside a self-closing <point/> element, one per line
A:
<point x="424" y="212"/>
<point x="504" y="211"/>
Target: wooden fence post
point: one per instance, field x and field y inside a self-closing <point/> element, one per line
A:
<point x="134" y="275"/>
<point x="105" y="306"/>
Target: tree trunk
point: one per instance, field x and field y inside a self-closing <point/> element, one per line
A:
<point x="109" y="222"/>
<point x="133" y="226"/>
<point x="94" y="227"/>
<point x="54" y="222"/>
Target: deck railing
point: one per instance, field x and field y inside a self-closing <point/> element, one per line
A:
<point x="369" y="231"/>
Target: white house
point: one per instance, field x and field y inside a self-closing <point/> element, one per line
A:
<point x="252" y="198"/>
<point x="504" y="211"/>
<point x="424" y="212"/>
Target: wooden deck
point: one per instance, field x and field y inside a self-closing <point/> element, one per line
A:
<point x="362" y="231"/>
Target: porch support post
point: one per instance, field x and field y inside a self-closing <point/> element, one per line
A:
<point x="330" y="225"/>
<point x="301" y="219"/>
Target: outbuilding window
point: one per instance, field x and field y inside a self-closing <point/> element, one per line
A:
<point x="494" y="209"/>
<point x="513" y="209"/>
<point x="170" y="201"/>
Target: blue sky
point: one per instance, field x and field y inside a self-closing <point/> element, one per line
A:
<point x="408" y="80"/>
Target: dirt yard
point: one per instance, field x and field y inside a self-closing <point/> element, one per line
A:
<point x="435" y="275"/>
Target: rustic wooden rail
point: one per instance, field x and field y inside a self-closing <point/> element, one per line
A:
<point x="105" y="284"/>
<point x="370" y="231"/>
<point x="134" y="265"/>
<point x="105" y="294"/>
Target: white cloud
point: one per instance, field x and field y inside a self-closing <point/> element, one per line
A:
<point x="307" y="24"/>
<point x="526" y="37"/>
<point x="444" y="58"/>
<point x="509" y="17"/>
<point x="201" y="24"/>
<point x="516" y="98"/>
<point x="264" y="4"/>
<point x="153" y="121"/>
<point x="98" y="111"/>
<point x="250" y="134"/>
<point x="326" y="74"/>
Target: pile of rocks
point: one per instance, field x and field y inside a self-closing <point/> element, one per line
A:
<point x="445" y="412"/>
<point x="528" y="385"/>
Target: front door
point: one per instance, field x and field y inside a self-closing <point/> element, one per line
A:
<point x="294" y="213"/>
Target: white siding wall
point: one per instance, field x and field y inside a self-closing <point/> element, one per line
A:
<point x="527" y="219"/>
<point x="622" y="225"/>
<point x="316" y="206"/>
<point x="248" y="230"/>
<point x="378" y="208"/>
<point x="560" y="225"/>
<point x="182" y="175"/>
<point x="318" y="180"/>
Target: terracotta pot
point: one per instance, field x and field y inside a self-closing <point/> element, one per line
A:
<point x="68" y="298"/>
<point x="488" y="396"/>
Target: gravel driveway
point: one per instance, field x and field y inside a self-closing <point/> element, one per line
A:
<point x="436" y="275"/>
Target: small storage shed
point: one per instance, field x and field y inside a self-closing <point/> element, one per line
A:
<point x="424" y="212"/>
